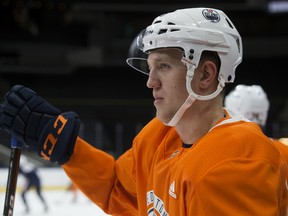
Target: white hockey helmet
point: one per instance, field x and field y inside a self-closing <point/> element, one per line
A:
<point x="194" y="30"/>
<point x="249" y="100"/>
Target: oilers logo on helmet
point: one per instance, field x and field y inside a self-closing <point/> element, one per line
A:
<point x="211" y="15"/>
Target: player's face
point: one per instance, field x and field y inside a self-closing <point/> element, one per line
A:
<point x="167" y="79"/>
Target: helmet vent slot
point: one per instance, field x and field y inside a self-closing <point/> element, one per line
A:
<point x="170" y="23"/>
<point x="238" y="45"/>
<point x="230" y="24"/>
<point x="162" y="31"/>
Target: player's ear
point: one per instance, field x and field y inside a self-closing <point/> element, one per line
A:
<point x="209" y="74"/>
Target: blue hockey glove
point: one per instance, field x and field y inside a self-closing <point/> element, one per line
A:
<point x="39" y="125"/>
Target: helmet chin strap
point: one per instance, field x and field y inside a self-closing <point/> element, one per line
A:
<point x="192" y="95"/>
<point x="189" y="101"/>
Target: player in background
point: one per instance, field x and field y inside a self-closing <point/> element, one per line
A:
<point x="70" y="194"/>
<point x="32" y="181"/>
<point x="73" y="190"/>
<point x="194" y="158"/>
<point x="252" y="102"/>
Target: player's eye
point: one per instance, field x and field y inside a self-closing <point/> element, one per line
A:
<point x="164" y="66"/>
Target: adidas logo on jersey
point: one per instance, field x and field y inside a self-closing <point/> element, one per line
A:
<point x="172" y="190"/>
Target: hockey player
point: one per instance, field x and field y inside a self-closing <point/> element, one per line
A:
<point x="252" y="102"/>
<point x="32" y="181"/>
<point x="194" y="157"/>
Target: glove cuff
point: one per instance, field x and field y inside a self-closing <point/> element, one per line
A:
<point x="57" y="140"/>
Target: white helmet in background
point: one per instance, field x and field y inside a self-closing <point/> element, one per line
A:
<point x="249" y="100"/>
<point x="193" y="31"/>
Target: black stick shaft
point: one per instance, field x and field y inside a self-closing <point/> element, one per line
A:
<point x="12" y="181"/>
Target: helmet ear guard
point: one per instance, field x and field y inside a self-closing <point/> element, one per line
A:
<point x="251" y="101"/>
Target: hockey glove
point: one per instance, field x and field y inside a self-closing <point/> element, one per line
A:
<point x="39" y="125"/>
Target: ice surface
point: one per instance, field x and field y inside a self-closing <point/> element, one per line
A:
<point x="60" y="203"/>
<point x="59" y="199"/>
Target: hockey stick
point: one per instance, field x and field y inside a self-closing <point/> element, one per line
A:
<point x="16" y="147"/>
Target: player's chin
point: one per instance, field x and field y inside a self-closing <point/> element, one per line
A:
<point x="162" y="116"/>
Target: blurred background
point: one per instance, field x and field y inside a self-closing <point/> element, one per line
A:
<point x="73" y="52"/>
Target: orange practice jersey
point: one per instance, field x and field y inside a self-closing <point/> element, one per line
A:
<point x="232" y="170"/>
<point x="283" y="147"/>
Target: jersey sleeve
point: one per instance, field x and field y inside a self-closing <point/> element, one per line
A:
<point x="102" y="179"/>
